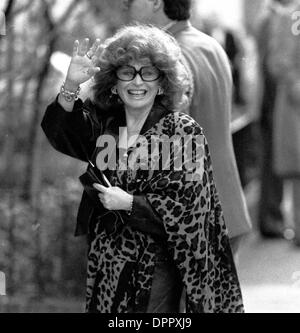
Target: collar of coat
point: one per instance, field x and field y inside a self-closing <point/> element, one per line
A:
<point x="115" y="118"/>
<point x="179" y="26"/>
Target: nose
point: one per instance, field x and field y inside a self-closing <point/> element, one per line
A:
<point x="138" y="80"/>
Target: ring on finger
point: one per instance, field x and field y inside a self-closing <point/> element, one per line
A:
<point x="89" y="56"/>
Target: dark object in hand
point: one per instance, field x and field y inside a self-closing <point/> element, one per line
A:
<point x="110" y="219"/>
<point x="89" y="178"/>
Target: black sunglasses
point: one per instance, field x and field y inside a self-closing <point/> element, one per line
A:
<point x="147" y="73"/>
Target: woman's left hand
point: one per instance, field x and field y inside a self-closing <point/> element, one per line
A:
<point x="114" y="198"/>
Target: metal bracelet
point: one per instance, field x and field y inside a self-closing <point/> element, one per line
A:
<point x="129" y="212"/>
<point x="69" y="96"/>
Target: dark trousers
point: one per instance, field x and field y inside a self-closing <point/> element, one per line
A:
<point x="167" y="286"/>
<point x="271" y="186"/>
<point x="166" y="289"/>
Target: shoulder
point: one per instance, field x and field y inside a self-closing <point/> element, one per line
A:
<point x="97" y="113"/>
<point x="192" y="38"/>
<point x="202" y="52"/>
<point x="183" y="124"/>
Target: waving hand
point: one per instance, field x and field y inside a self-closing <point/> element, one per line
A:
<point x="84" y="61"/>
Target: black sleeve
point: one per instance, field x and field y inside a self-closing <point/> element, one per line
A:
<point x="143" y="218"/>
<point x="71" y="133"/>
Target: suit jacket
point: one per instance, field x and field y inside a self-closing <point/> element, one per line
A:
<point x="211" y="108"/>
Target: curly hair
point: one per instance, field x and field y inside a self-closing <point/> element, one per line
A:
<point x="137" y="42"/>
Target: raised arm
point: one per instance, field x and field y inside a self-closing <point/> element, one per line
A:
<point x="69" y="124"/>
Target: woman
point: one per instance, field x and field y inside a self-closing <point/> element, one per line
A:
<point x="156" y="225"/>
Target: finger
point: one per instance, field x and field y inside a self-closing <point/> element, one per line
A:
<point x="95" y="61"/>
<point x="95" y="46"/>
<point x="99" y="51"/>
<point x="83" y="47"/>
<point x="75" y="48"/>
<point x="94" y="70"/>
<point x="91" y="52"/>
<point x="100" y="188"/>
<point x="101" y="197"/>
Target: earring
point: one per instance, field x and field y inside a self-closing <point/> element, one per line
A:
<point x="114" y="90"/>
<point x="160" y="91"/>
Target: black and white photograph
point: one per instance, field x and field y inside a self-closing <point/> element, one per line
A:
<point x="150" y="158"/>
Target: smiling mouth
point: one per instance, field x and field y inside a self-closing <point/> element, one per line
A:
<point x="137" y="93"/>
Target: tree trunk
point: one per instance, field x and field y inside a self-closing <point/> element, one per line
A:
<point x="8" y="15"/>
<point x="12" y="241"/>
<point x="64" y="243"/>
<point x="32" y="182"/>
<point x="10" y="112"/>
<point x="32" y="171"/>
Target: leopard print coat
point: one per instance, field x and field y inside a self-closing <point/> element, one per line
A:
<point x="179" y="189"/>
<point x="121" y="265"/>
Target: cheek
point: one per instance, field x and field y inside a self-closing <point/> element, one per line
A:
<point x="121" y="88"/>
<point x="154" y="89"/>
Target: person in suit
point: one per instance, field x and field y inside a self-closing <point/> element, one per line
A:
<point x="270" y="216"/>
<point x="284" y="65"/>
<point x="211" y="101"/>
<point x="234" y="50"/>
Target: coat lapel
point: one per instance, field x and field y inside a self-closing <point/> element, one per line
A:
<point x="118" y="120"/>
<point x="158" y="111"/>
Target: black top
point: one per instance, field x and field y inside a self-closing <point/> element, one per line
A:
<point x="75" y="134"/>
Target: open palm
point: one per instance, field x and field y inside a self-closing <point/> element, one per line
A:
<point x="84" y="61"/>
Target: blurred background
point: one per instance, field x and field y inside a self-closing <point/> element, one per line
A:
<point x="42" y="265"/>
